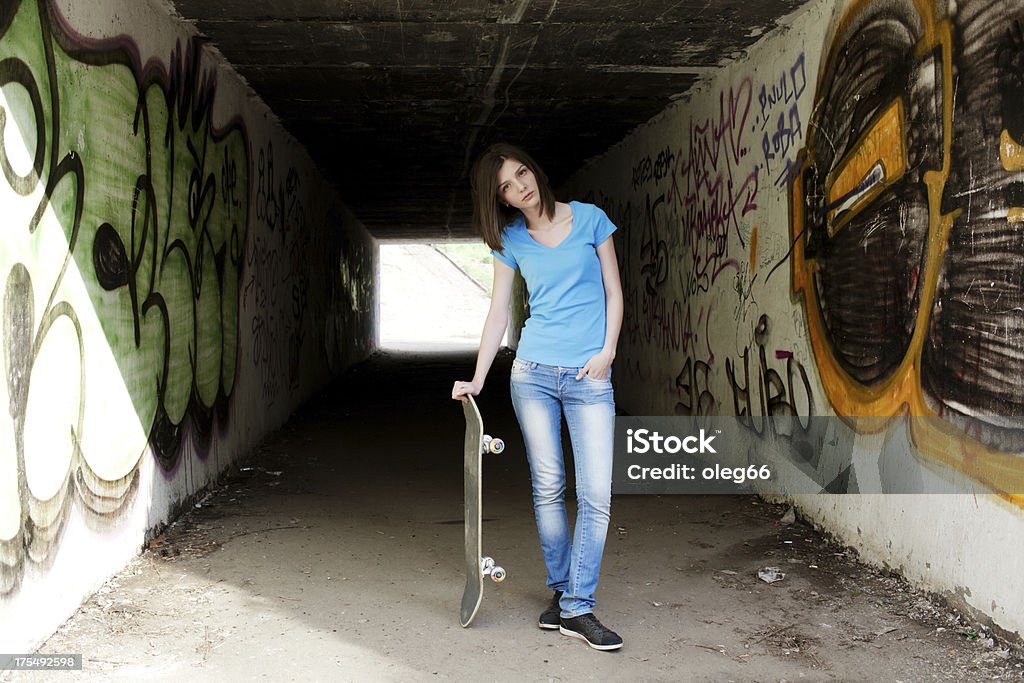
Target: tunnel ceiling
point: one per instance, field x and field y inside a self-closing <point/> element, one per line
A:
<point x="393" y="99"/>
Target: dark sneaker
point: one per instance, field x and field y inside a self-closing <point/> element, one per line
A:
<point x="586" y="627"/>
<point x="550" y="617"/>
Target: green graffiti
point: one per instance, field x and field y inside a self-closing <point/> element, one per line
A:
<point x="126" y="208"/>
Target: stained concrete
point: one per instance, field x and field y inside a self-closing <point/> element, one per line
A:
<point x="393" y="99"/>
<point x="335" y="554"/>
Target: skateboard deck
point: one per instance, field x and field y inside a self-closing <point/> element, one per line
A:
<point x="477" y="566"/>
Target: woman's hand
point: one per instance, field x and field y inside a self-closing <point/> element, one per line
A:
<point x="597" y="366"/>
<point x="465" y="388"/>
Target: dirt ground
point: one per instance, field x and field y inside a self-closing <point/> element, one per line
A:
<point x="335" y="554"/>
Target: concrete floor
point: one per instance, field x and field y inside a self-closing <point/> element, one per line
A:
<point x="335" y="554"/>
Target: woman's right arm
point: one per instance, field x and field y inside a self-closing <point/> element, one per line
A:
<point x="494" y="330"/>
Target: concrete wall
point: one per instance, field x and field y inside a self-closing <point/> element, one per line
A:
<point x="176" y="279"/>
<point x="831" y="226"/>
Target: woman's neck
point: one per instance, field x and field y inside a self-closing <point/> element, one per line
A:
<point x="536" y="219"/>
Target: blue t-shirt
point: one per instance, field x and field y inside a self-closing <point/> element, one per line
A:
<point x="566" y="326"/>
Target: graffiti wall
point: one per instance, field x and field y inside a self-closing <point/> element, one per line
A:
<point x="906" y="228"/>
<point x="700" y="199"/>
<point x="159" y="308"/>
<point x="833" y="226"/>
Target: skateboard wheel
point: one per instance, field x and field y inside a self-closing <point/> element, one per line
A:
<point x="497" y="446"/>
<point x="498" y="574"/>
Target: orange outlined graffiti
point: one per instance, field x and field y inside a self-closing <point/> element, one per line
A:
<point x="904" y="220"/>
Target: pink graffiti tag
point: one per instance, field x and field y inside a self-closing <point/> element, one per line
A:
<point x="714" y="185"/>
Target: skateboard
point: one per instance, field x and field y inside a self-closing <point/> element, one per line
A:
<point x="477" y="565"/>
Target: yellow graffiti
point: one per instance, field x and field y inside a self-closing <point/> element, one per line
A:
<point x="1010" y="153"/>
<point x="871" y="408"/>
<point x="881" y="147"/>
<point x="753" y="250"/>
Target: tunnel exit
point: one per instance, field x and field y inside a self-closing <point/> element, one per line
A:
<point x="433" y="296"/>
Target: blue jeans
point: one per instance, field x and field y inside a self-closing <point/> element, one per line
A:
<point x="540" y="394"/>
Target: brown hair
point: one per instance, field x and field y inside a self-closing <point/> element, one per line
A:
<point x="490" y="216"/>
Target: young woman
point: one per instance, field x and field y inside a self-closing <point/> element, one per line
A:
<point x="563" y="366"/>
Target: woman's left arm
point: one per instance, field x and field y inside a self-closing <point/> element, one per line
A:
<point x="597" y="367"/>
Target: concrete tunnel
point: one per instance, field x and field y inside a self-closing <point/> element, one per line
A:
<point x="819" y="216"/>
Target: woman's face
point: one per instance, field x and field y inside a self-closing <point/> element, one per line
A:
<point x="517" y="186"/>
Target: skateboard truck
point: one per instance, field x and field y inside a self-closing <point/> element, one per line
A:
<point x="492" y="445"/>
<point x="488" y="568"/>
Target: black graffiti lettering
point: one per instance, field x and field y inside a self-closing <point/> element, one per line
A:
<point x="694" y="389"/>
<point x="13" y="70"/>
<point x="663" y="164"/>
<point x="787" y="88"/>
<point x="741" y="394"/>
<point x="267" y="208"/>
<point x="661" y="322"/>
<point x="772" y="396"/>
<point x="642" y="172"/>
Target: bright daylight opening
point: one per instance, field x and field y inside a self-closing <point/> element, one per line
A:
<point x="433" y="296"/>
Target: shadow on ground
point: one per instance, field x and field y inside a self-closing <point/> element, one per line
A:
<point x="335" y="553"/>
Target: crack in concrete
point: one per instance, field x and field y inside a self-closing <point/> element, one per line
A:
<point x="488" y="99"/>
